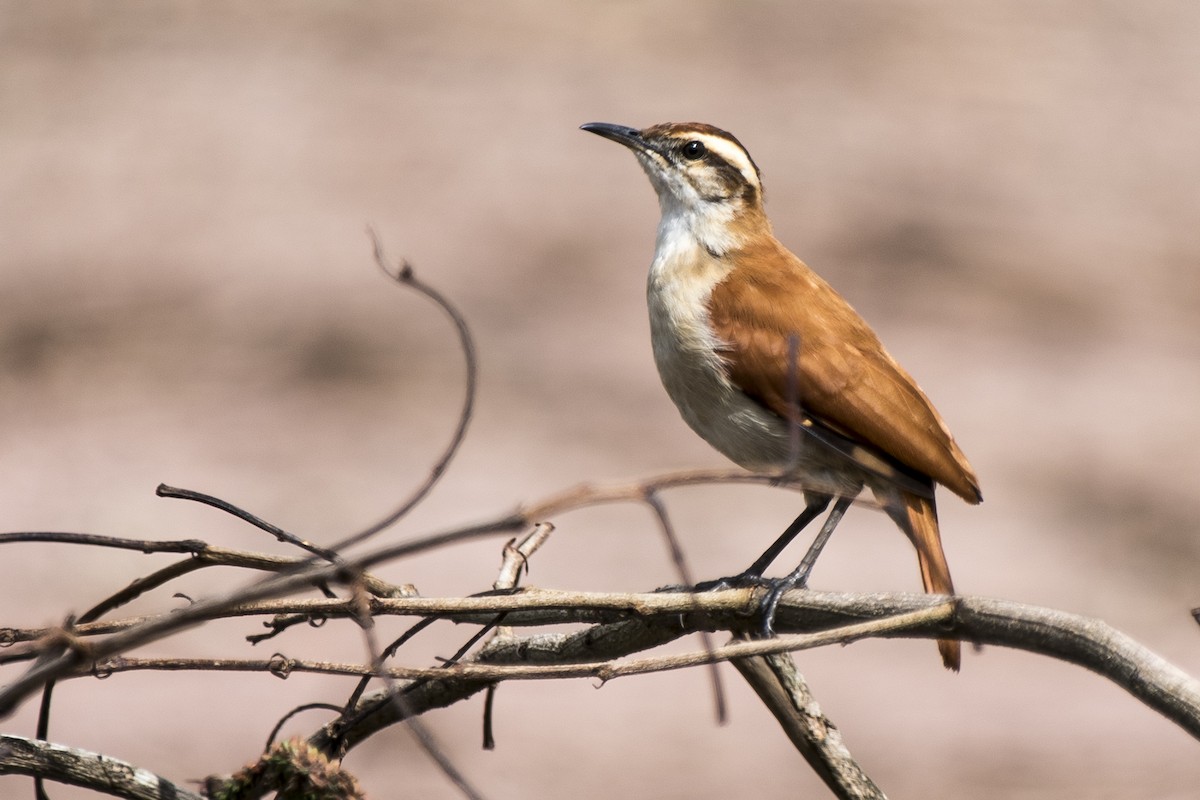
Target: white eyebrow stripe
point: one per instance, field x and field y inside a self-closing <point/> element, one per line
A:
<point x="733" y="154"/>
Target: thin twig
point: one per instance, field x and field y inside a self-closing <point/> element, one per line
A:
<point x="388" y="652"/>
<point x="655" y="503"/>
<point x="297" y="710"/>
<point x="515" y="561"/>
<point x="588" y="495"/>
<point x="406" y="277"/>
<point x="97" y="540"/>
<point x="413" y="722"/>
<point x="277" y="586"/>
<point x="229" y="508"/>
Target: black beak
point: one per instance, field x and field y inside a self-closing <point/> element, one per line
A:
<point x="630" y="137"/>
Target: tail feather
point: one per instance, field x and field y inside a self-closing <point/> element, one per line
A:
<point x="917" y="517"/>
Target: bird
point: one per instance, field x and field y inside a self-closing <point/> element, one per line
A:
<point x="774" y="369"/>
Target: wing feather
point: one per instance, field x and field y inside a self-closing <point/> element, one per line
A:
<point x="846" y="379"/>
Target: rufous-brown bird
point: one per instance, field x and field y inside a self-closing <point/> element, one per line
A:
<point x="770" y="365"/>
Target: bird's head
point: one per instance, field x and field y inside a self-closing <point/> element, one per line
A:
<point x="704" y="177"/>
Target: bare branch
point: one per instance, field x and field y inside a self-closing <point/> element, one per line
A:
<point x="1087" y="642"/>
<point x="100" y="773"/>
<point x="588" y="495"/>
<point x="69" y="660"/>
<point x="229" y="508"/>
<point x="784" y="691"/>
<point x="496" y="660"/>
<point x="97" y="540"/>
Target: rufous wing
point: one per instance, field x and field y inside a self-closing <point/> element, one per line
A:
<point x="844" y="376"/>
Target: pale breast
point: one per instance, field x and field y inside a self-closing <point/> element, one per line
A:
<point x="687" y="355"/>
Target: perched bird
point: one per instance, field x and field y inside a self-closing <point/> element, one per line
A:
<point x="770" y="365"/>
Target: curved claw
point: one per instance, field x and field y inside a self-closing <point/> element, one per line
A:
<point x="770" y="602"/>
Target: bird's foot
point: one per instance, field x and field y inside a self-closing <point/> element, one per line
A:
<point x="769" y="605"/>
<point x="775" y="588"/>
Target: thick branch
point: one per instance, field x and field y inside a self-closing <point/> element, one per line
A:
<point x="598" y="643"/>
<point x="782" y="689"/>
<point x="100" y="773"/>
<point x="1086" y="642"/>
<point x="507" y="659"/>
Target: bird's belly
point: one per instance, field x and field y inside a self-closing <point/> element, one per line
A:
<point x="744" y="431"/>
<point x="716" y="410"/>
<point x="686" y="354"/>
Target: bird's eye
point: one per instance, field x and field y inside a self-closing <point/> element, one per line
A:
<point x="694" y="150"/>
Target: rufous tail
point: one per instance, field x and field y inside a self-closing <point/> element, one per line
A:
<point x="922" y="529"/>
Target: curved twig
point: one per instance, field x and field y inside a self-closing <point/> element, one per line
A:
<point x="279" y="533"/>
<point x="297" y="710"/>
<point x="406" y="277"/>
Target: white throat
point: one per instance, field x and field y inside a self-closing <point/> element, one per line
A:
<point x="693" y="221"/>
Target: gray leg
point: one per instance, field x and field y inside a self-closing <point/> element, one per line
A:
<point x="799" y="576"/>
<point x="816" y="506"/>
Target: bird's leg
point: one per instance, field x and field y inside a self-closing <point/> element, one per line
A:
<point x="816" y="506"/>
<point x="799" y="576"/>
<point x="753" y="575"/>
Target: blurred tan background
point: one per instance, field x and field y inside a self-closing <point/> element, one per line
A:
<point x="1007" y="191"/>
